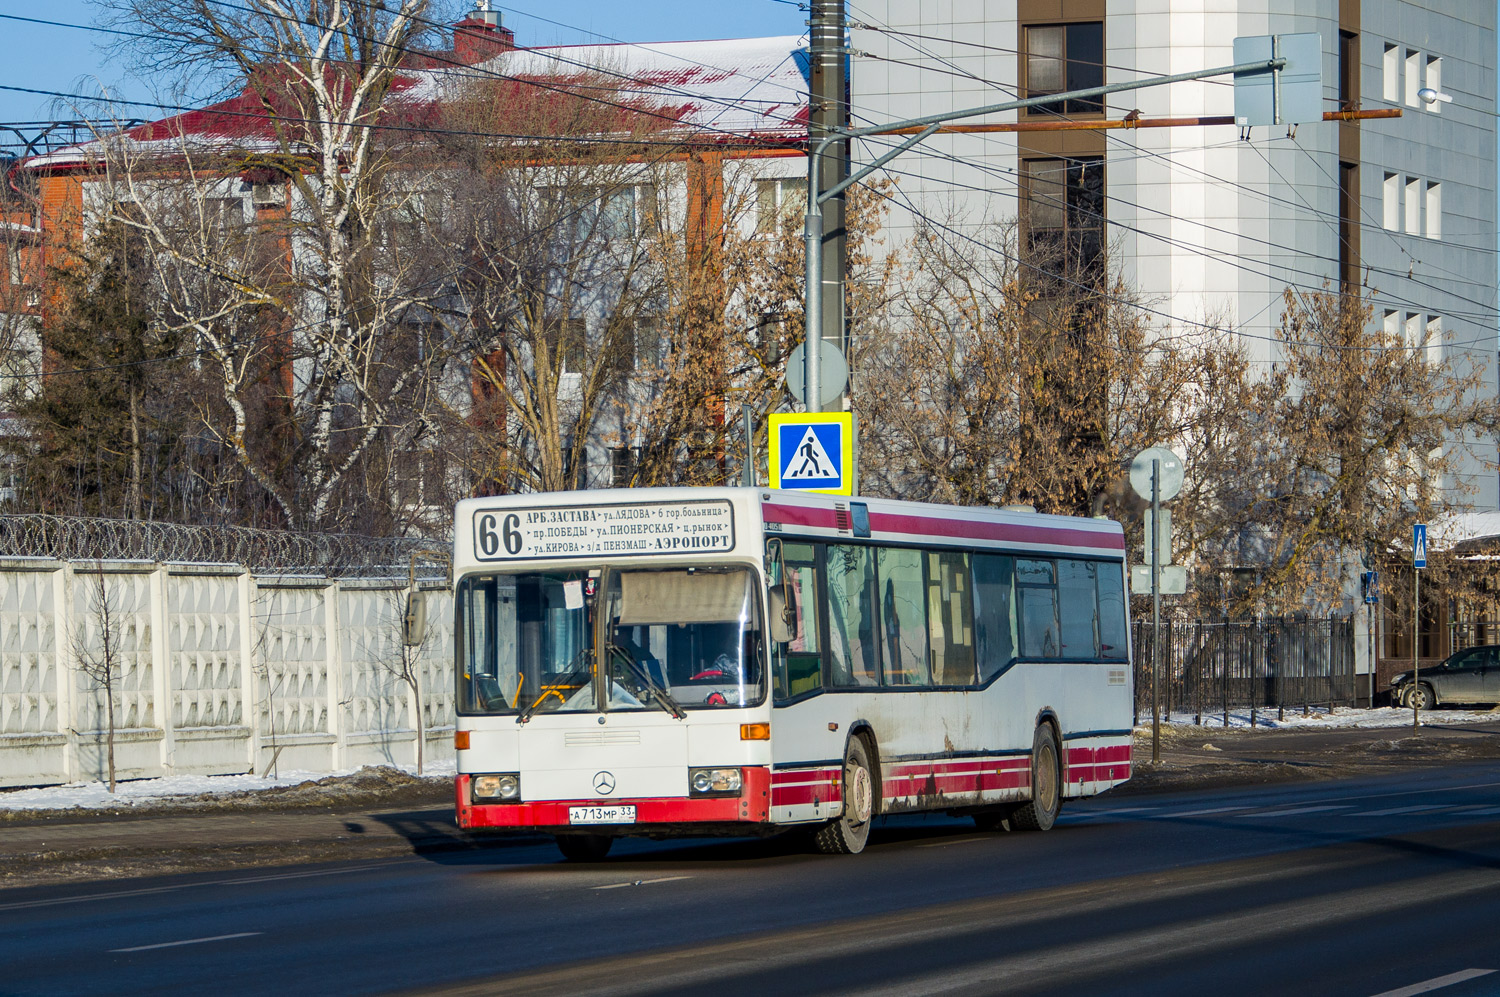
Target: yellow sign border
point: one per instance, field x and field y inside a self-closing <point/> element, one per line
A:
<point x="846" y="447"/>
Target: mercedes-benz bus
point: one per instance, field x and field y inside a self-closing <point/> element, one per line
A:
<point x="709" y="661"/>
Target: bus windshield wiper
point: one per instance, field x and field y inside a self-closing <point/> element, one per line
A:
<point x="658" y="694"/>
<point x="575" y="672"/>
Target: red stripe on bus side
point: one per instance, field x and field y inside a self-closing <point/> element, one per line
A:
<point x="921" y="526"/>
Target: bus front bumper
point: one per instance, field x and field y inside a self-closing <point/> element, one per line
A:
<point x="750" y="806"/>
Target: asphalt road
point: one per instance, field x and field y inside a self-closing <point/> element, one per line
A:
<point x="1387" y="885"/>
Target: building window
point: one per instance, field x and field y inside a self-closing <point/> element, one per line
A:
<point x="1063" y="214"/>
<point x="1435" y="81"/>
<point x="1413" y="206"/>
<point x="629" y="212"/>
<point x="1390" y="194"/>
<point x="1435" y="340"/>
<point x="1434" y="211"/>
<point x="1348" y="70"/>
<point x="1390" y="74"/>
<point x="776" y="200"/>
<point x="1349" y="224"/>
<point x="1413" y="77"/>
<point x="1413" y="331"/>
<point x="770" y="339"/>
<point x="13" y="264"/>
<point x="1062" y="57"/>
<point x="1391" y="327"/>
<point x="622" y="464"/>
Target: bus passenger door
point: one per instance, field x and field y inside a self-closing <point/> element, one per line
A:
<point x="806" y="782"/>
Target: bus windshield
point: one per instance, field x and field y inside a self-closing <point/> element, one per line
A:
<point x="677" y="640"/>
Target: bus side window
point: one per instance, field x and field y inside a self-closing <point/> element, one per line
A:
<point x="903" y="618"/>
<point x="798" y="663"/>
<point x="950" y="619"/>
<point x="1114" y="635"/>
<point x="1078" y="608"/>
<point x="1036" y="609"/>
<point x="994" y="613"/>
<point x="853" y="644"/>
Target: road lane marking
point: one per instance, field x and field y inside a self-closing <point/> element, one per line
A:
<point x="1437" y="983"/>
<point x="1210" y="810"/>
<point x="1298" y="810"/>
<point x="190" y="941"/>
<point x="1400" y="810"/>
<point x="640" y="882"/>
<point x="955" y="841"/>
<point x="1484" y="811"/>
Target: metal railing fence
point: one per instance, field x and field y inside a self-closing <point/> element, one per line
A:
<point x="1217" y="666"/>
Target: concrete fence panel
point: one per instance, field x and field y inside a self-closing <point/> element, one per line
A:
<point x="212" y="670"/>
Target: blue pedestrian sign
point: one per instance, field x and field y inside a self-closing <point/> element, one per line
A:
<point x="1419" y="545"/>
<point x="1369" y="582"/>
<point x="813" y="451"/>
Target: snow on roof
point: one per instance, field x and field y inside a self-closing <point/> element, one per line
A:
<point x="1465" y="527"/>
<point x="751" y="89"/>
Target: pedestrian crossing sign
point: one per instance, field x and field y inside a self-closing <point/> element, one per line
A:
<point x="813" y="451"/>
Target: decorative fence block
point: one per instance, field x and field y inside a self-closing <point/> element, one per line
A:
<point x="214" y="670"/>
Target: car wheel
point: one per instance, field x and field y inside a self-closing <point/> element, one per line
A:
<point x="1421" y="697"/>
<point x="848" y="833"/>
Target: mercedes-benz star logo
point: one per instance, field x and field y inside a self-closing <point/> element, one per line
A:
<point x="604" y="783"/>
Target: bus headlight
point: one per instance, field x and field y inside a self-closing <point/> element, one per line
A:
<point x="711" y="782"/>
<point x="504" y="786"/>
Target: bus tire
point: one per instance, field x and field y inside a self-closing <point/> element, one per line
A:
<point x="847" y="833"/>
<point x="1040" y="812"/>
<point x="584" y="847"/>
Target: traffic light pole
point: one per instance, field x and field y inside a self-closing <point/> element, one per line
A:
<point x="813" y="311"/>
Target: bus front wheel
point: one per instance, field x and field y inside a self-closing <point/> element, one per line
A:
<point x="1040" y="812"/>
<point x="847" y="834"/>
<point x="584" y="847"/>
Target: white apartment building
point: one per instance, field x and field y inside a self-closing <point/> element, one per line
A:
<point x="1208" y="227"/>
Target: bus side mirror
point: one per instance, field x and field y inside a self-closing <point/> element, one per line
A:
<point x="414" y="620"/>
<point x="780" y="619"/>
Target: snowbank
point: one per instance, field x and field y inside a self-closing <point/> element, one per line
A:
<point x="1320" y="719"/>
<point x="96" y="795"/>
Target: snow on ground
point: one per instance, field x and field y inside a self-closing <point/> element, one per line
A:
<point x="96" y="795"/>
<point x="1321" y="719"/>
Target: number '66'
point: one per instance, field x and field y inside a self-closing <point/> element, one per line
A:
<point x="490" y="540"/>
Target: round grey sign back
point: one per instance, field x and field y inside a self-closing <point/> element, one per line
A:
<point x="1171" y="473"/>
<point x="834" y="375"/>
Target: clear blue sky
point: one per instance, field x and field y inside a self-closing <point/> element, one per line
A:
<point x="71" y="60"/>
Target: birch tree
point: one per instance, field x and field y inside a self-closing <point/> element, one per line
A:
<point x="309" y="309"/>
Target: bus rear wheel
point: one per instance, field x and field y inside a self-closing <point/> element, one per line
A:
<point x="584" y="847"/>
<point x="1040" y="812"/>
<point x="847" y="834"/>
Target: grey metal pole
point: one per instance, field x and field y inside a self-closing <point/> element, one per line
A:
<point x="1370" y="641"/>
<point x="1155" y="608"/>
<point x="828" y="118"/>
<point x="747" y="472"/>
<point x="1416" y="640"/>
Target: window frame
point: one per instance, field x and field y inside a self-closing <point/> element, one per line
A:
<point x="820" y="547"/>
<point x="1076" y="107"/>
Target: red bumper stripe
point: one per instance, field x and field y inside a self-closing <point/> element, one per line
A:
<point x="751" y="806"/>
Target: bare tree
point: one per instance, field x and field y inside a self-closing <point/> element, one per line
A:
<point x="306" y="318"/>
<point x="99" y="659"/>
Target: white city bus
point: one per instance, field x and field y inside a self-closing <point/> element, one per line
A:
<point x="690" y="661"/>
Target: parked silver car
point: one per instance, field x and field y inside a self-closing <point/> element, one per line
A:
<point x="1468" y="676"/>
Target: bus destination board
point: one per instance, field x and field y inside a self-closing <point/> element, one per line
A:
<point x="604" y="531"/>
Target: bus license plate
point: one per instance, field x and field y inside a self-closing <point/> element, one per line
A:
<point x="601" y="815"/>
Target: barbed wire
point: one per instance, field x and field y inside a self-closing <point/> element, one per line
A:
<point x="332" y="555"/>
